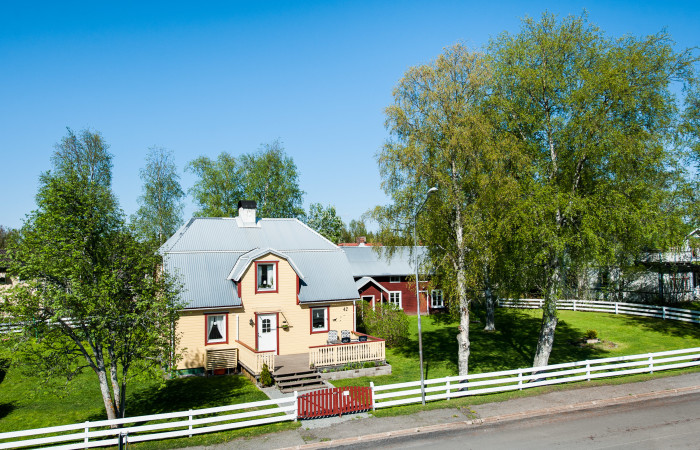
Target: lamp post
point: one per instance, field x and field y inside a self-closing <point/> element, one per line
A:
<point x="415" y="251"/>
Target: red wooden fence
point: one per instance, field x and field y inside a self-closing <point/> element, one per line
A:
<point x="334" y="402"/>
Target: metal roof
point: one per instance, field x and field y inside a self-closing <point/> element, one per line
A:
<point x="224" y="234"/>
<point x="375" y="261"/>
<point x="205" y="251"/>
<point x="203" y="277"/>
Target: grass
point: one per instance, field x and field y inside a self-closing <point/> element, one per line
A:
<point x="513" y="343"/>
<point x="24" y="405"/>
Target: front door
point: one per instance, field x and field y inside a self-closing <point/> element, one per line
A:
<point x="267" y="332"/>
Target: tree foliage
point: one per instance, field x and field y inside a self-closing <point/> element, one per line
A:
<point x="267" y="176"/>
<point x="92" y="295"/>
<point x="160" y="211"/>
<point x="596" y="118"/>
<point x="385" y="321"/>
<point x="443" y="137"/>
<point x="326" y="221"/>
<point x="356" y="229"/>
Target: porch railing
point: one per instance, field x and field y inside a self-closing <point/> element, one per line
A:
<point x="254" y="359"/>
<point x="336" y="354"/>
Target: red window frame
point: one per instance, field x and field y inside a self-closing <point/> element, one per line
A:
<point x="311" y="319"/>
<point x="206" y="328"/>
<point x="277" y="281"/>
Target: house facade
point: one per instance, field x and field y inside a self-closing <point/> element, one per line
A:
<point x="256" y="289"/>
<point x="384" y="275"/>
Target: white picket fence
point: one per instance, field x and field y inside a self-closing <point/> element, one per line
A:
<point x="447" y="388"/>
<point x="159" y="426"/>
<point x="634" y="309"/>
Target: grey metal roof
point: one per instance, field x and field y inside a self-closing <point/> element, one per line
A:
<point x="204" y="278"/>
<point x="205" y="251"/>
<point x="224" y="234"/>
<point x="375" y="261"/>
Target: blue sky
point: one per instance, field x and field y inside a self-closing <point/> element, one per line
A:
<point x="209" y="77"/>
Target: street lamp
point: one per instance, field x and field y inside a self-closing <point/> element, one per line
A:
<point x="415" y="251"/>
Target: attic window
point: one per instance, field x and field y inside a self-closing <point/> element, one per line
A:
<point x="266" y="276"/>
<point x="394" y="279"/>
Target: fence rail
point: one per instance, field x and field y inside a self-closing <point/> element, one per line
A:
<point x="633" y="309"/>
<point x="336" y="354"/>
<point x="254" y="359"/>
<point x="518" y="379"/>
<point x="185" y="423"/>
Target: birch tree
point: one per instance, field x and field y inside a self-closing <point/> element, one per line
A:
<point x="441" y="136"/>
<point x="596" y="116"/>
<point x="160" y="211"/>
<point x="92" y="296"/>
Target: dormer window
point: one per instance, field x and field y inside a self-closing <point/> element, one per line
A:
<point x="266" y="276"/>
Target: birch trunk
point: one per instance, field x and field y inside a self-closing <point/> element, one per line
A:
<point x="490" y="306"/>
<point x="463" y="344"/>
<point x="549" y="320"/>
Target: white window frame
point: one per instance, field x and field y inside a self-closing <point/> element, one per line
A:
<point x="395" y="293"/>
<point x="394" y="279"/>
<point x="211" y="320"/>
<point x="433" y="303"/>
<point x="258" y="276"/>
<point x="326" y="312"/>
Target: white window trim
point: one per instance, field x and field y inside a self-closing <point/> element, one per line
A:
<point x="399" y="294"/>
<point x="326" y="311"/>
<point x="394" y="279"/>
<point x="222" y="329"/>
<point x="432" y="299"/>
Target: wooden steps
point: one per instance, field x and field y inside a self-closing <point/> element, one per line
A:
<point x="299" y="381"/>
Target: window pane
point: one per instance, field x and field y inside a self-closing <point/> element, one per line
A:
<point x="217" y="328"/>
<point x="318" y="318"/>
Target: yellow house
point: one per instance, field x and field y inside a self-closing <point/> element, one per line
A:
<point x="259" y="290"/>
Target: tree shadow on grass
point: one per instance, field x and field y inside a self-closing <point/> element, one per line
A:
<point x="667" y="327"/>
<point x="6" y="409"/>
<point x="181" y="394"/>
<point x="511" y="346"/>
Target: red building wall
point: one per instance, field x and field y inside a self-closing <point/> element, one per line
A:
<point x="407" y="289"/>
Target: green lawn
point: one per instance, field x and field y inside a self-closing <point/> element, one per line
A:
<point x="513" y="343"/>
<point x="23" y="405"/>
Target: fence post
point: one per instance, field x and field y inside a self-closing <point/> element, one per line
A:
<point x="663" y="312"/>
<point x="651" y="363"/>
<point x="448" y="389"/>
<point x="190" y="423"/>
<point x="541" y="304"/>
<point x="87" y="430"/>
<point x="296" y="405"/>
<point x="574" y="305"/>
<point x="520" y="379"/>
<point x="615" y="307"/>
<point x="371" y="386"/>
<point x="588" y="371"/>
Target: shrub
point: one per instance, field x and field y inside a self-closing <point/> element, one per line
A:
<point x="591" y="334"/>
<point x="265" y="376"/>
<point x="386" y="321"/>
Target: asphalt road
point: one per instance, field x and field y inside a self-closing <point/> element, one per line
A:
<point x="664" y="423"/>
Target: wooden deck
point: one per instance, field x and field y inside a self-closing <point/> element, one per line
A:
<point x="288" y="364"/>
